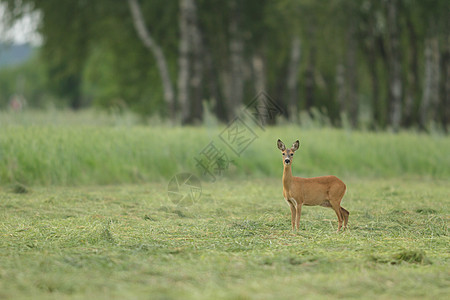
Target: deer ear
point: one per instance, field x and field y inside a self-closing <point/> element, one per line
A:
<point x="281" y="145"/>
<point x="296" y="145"/>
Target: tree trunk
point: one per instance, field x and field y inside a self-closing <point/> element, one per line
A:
<point x="428" y="78"/>
<point x="384" y="98"/>
<point x="73" y="85"/>
<point x="310" y="72"/>
<point x="435" y="97"/>
<point x="236" y="82"/>
<point x="292" y="80"/>
<point x="371" y="46"/>
<point x="161" y="62"/>
<point x="190" y="75"/>
<point x="259" y="79"/>
<point x="259" y="73"/>
<point x="341" y="92"/>
<point x="346" y="80"/>
<point x="197" y="68"/>
<point x="430" y="97"/>
<point x="352" y="75"/>
<point x="445" y="111"/>
<point x="412" y="76"/>
<point x="376" y="105"/>
<point x="184" y="59"/>
<point x="394" y="69"/>
<point x="212" y="79"/>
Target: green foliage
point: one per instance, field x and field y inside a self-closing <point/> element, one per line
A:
<point x="93" y="55"/>
<point x="130" y="241"/>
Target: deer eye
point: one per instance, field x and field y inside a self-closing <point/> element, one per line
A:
<point x="292" y="154"/>
<point x="284" y="153"/>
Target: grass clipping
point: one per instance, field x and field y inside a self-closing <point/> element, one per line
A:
<point x="19" y="188"/>
<point x="403" y="256"/>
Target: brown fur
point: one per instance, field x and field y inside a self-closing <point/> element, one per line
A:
<point x="326" y="191"/>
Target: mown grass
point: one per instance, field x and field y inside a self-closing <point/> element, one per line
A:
<point x="132" y="242"/>
<point x="112" y="150"/>
<point x="84" y="213"/>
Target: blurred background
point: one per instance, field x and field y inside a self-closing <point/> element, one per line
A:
<point x="358" y="63"/>
<point x="125" y="172"/>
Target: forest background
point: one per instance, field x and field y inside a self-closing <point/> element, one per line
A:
<point x="363" y="64"/>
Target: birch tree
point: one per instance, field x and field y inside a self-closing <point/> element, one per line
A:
<point x="148" y="41"/>
<point x="236" y="47"/>
<point x="394" y="66"/>
<point x="430" y="97"/>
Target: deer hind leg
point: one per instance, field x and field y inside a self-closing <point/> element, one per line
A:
<point x="335" y="195"/>
<point x="337" y="209"/>
<point x="299" y="212"/>
<point x="345" y="215"/>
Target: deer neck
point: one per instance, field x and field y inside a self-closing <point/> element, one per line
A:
<point x="287" y="177"/>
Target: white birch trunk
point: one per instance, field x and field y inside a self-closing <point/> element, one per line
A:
<point x="183" y="61"/>
<point x="236" y="81"/>
<point x="395" y="81"/>
<point x="149" y="43"/>
<point x="430" y="97"/>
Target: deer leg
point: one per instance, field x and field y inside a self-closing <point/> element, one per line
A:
<point x="337" y="209"/>
<point x="345" y="215"/>
<point x="335" y="195"/>
<point x="293" y="215"/>
<point x="299" y="212"/>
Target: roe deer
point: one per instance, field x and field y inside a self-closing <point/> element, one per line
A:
<point x="325" y="191"/>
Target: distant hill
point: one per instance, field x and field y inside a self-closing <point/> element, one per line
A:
<point x="14" y="54"/>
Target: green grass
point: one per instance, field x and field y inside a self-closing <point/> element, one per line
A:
<point x="130" y="242"/>
<point x="84" y="213"/>
<point x="109" y="150"/>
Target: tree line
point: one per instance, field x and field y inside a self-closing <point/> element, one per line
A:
<point x="379" y="64"/>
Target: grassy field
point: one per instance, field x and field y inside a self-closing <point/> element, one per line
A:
<point x="130" y="242"/>
<point x="100" y="150"/>
<point x="84" y="213"/>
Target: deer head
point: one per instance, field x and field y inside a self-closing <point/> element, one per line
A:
<point x="288" y="154"/>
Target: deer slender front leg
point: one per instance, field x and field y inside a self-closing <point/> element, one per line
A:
<point x="293" y="215"/>
<point x="299" y="212"/>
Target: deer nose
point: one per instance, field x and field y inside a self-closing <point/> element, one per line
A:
<point x="287" y="161"/>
